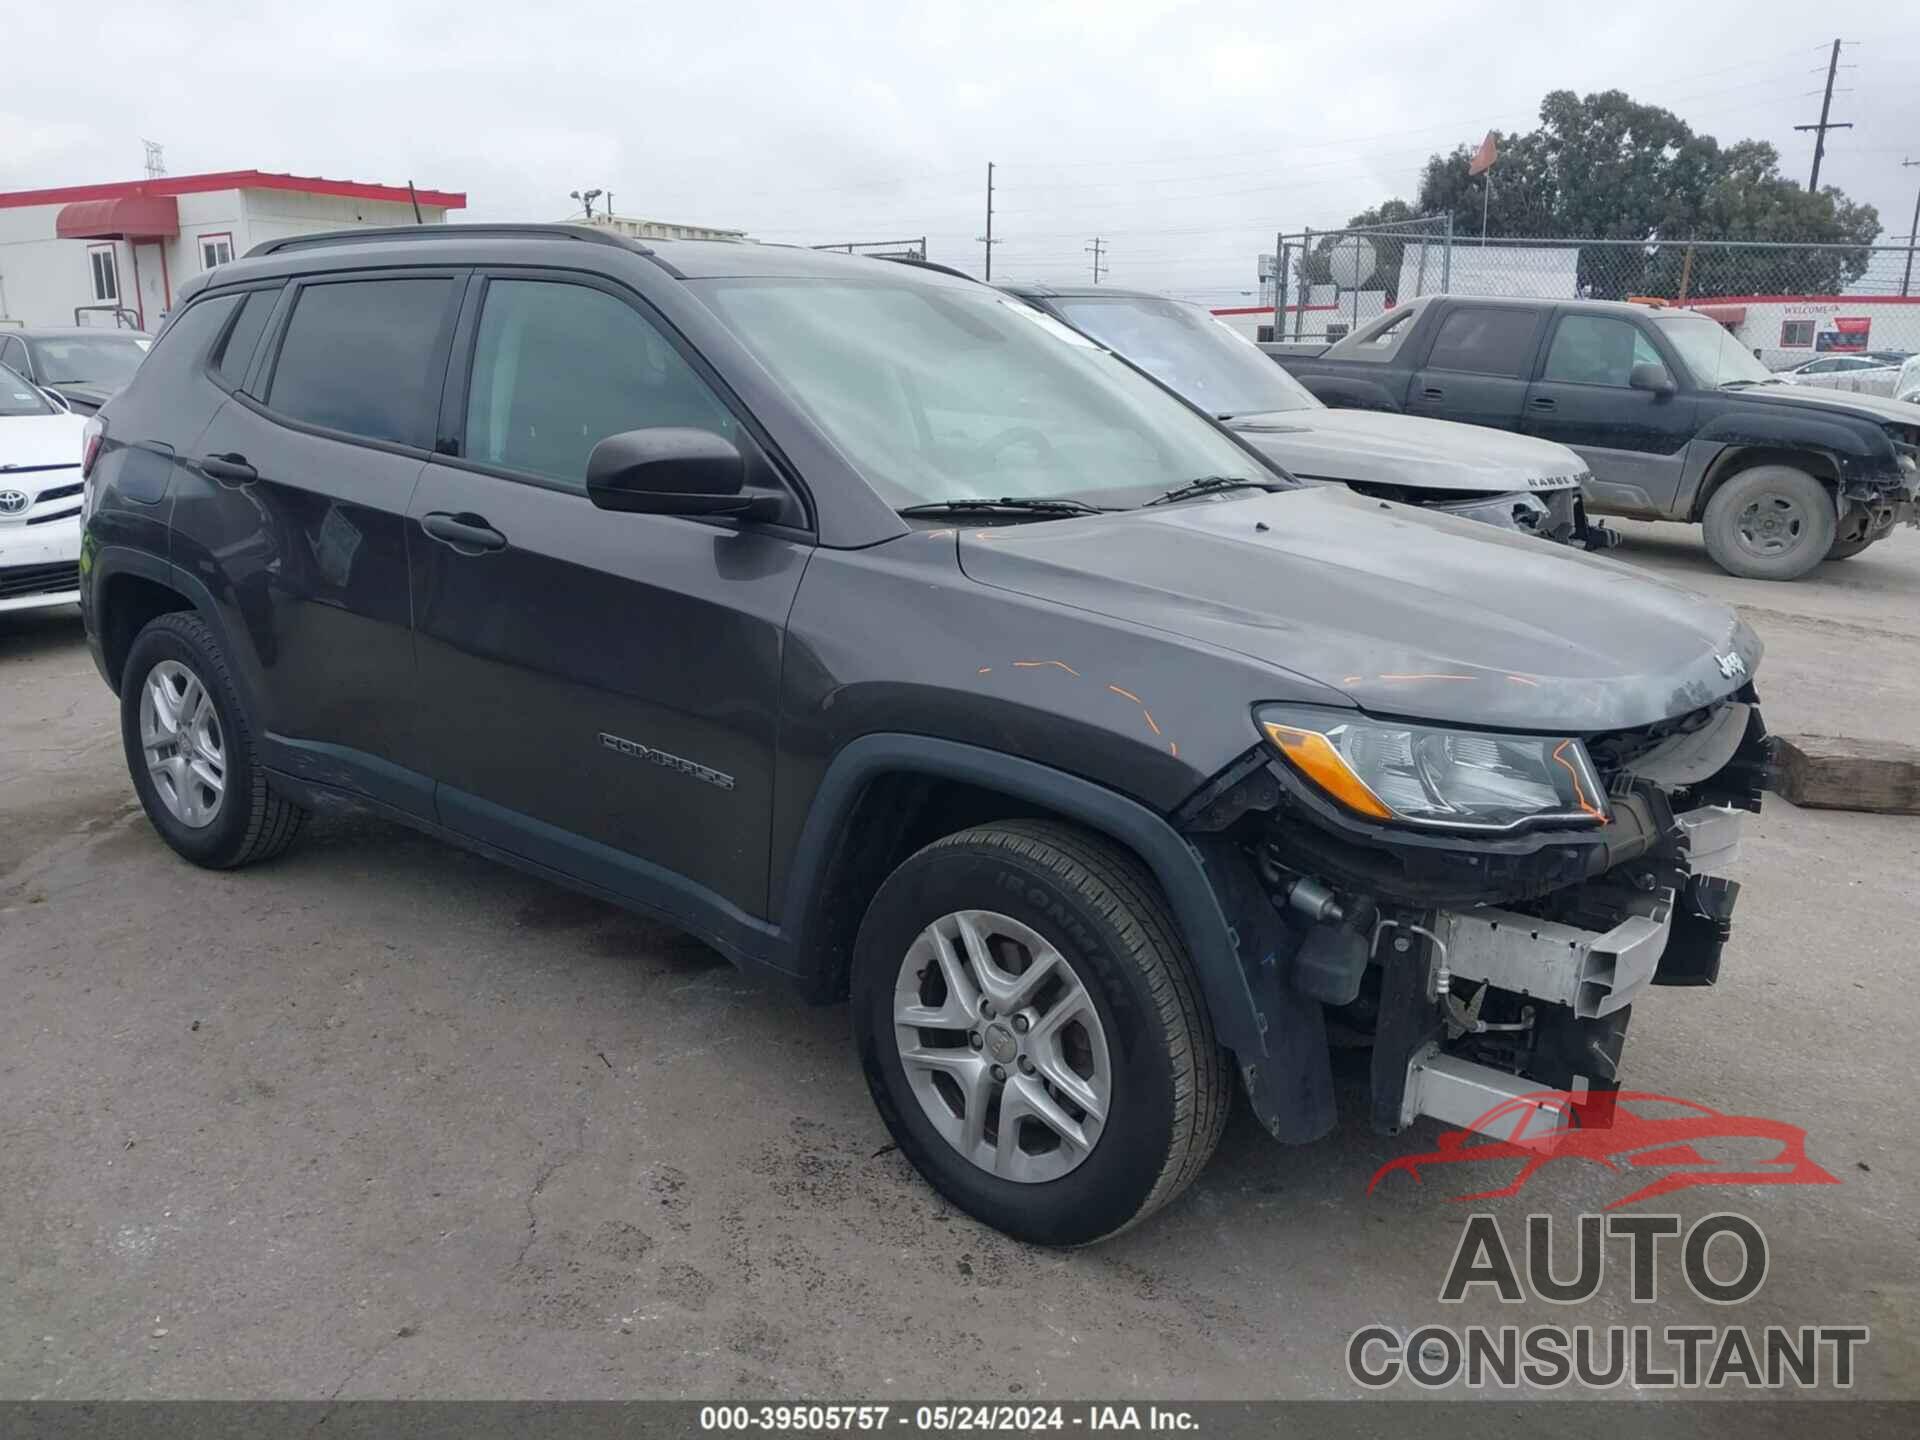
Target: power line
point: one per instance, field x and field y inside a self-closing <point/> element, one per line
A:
<point x="1820" y="130"/>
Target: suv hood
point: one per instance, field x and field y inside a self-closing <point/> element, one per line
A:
<point x="1874" y="407"/>
<point x="1406" y="612"/>
<point x="1374" y="448"/>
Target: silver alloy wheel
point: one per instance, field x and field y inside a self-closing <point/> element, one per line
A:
<point x="1772" y="524"/>
<point x="1002" y="1046"/>
<point x="185" y="751"/>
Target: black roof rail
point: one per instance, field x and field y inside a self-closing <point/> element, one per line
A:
<point x="381" y="234"/>
<point x="919" y="264"/>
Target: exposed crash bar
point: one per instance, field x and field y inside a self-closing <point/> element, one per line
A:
<point x="1459" y="1092"/>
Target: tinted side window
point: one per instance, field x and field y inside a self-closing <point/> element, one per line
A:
<point x="1486" y="342"/>
<point x="236" y="353"/>
<point x="557" y="368"/>
<point x="189" y="333"/>
<point x="359" y="357"/>
<point x="1595" y="350"/>
<point x="13" y="354"/>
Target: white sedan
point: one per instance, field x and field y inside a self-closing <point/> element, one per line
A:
<point x="40" y="444"/>
<point x="1874" y="373"/>
<point x="1907" y="387"/>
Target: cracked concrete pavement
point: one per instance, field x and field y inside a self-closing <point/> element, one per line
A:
<point x="386" y="1119"/>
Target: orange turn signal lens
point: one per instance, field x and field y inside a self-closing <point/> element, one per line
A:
<point x="1313" y="755"/>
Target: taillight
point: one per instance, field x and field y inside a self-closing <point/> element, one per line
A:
<point x="90" y="439"/>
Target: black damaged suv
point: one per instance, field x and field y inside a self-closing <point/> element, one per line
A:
<point x="875" y="628"/>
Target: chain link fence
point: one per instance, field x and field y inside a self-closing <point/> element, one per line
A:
<point x="1789" y="302"/>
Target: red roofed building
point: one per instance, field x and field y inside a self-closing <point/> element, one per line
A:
<point x="116" y="253"/>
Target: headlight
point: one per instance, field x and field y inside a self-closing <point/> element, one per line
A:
<point x="1451" y="779"/>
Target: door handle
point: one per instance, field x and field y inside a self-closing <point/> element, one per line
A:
<point x="1433" y="392"/>
<point x="1543" y="402"/>
<point x="469" y="534"/>
<point x="229" y="469"/>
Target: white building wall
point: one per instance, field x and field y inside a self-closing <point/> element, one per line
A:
<point x="1893" y="323"/>
<point x="42" y="278"/>
<point x="276" y="214"/>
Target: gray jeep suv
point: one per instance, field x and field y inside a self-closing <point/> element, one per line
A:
<point x="906" y="647"/>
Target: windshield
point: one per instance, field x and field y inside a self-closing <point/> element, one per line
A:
<point x="17" y="397"/>
<point x="1187" y="350"/>
<point x="79" y="359"/>
<point x="1711" y="354"/>
<point x="957" y="393"/>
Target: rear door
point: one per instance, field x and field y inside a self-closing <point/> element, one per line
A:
<point x="1635" y="440"/>
<point x="295" y="515"/>
<point x="598" y="691"/>
<point x="1475" y="369"/>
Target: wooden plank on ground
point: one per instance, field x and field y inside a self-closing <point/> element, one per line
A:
<point x="1833" y="772"/>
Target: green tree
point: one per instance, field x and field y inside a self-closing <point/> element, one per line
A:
<point x="1608" y="167"/>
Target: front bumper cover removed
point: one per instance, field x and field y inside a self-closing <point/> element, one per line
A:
<point x="1665" y="935"/>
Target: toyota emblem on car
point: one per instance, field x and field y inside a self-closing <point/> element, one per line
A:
<point x="12" y="502"/>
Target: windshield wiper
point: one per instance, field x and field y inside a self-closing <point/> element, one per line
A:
<point x="1735" y="384"/>
<point x="1034" y="505"/>
<point x="1206" y="484"/>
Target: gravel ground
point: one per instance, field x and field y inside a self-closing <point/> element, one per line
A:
<point x="384" y="1119"/>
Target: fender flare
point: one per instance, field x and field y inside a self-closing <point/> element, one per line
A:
<point x="1175" y="863"/>
<point x="1848" y="443"/>
<point x="113" y="560"/>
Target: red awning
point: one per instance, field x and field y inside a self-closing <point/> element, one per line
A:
<point x="132" y="217"/>
<point x="1725" y="314"/>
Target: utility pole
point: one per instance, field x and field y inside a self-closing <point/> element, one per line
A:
<point x="1913" y="233"/>
<point x="987" y="239"/>
<point x="156" y="159"/>
<point x="1820" y="130"/>
<point x="1094" y="250"/>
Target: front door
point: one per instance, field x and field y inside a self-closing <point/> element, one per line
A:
<point x="150" y="274"/>
<point x="1635" y="440"/>
<point x="599" y="690"/>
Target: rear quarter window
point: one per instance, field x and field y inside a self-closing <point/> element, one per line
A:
<point x="191" y="332"/>
<point x="236" y="351"/>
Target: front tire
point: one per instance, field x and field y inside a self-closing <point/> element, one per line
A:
<point x="190" y="750"/>
<point x="1031" y="1028"/>
<point x="1847" y="549"/>
<point x="1772" y="522"/>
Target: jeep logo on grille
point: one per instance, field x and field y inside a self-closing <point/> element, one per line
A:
<point x="12" y="502"/>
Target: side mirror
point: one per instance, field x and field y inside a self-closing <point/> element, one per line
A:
<point x="1651" y="376"/>
<point x="668" y="470"/>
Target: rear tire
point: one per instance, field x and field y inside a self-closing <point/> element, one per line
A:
<point x="1772" y="522"/>
<point x="190" y="750"/>
<point x="1157" y="1083"/>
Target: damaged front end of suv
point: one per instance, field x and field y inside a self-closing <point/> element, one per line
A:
<point x="1483" y="907"/>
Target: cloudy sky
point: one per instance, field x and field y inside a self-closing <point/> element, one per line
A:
<point x="1184" y="134"/>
